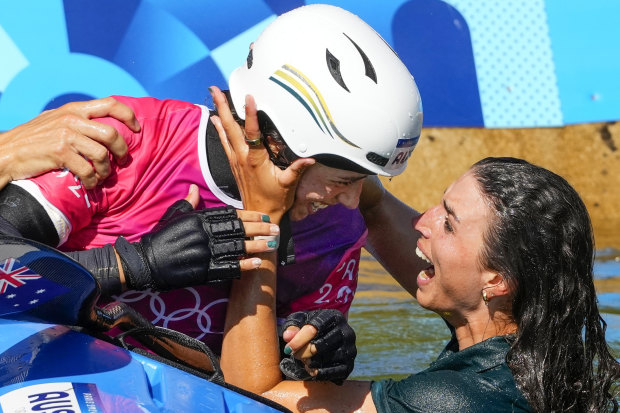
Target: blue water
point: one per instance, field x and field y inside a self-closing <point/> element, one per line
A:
<point x="396" y="337"/>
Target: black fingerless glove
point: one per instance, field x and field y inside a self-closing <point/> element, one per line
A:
<point x="185" y="248"/>
<point x="334" y="342"/>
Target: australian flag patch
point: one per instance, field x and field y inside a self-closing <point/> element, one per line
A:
<point x="22" y="289"/>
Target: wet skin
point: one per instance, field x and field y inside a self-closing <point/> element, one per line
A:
<point x="452" y="236"/>
<point x="321" y="186"/>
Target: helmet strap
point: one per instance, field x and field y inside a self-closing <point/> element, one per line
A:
<point x="339" y="162"/>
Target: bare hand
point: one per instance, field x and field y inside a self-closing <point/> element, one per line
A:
<point x="62" y="138"/>
<point x="298" y="340"/>
<point x="263" y="186"/>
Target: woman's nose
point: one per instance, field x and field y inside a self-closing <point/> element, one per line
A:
<point x="425" y="221"/>
<point x="350" y="195"/>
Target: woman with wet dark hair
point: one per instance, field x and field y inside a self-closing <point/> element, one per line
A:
<point x="508" y="258"/>
<point x="540" y="240"/>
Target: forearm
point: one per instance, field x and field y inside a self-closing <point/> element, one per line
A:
<point x="250" y="355"/>
<point x="352" y="396"/>
<point x="250" y="350"/>
<point x="391" y="239"/>
<point x="10" y="161"/>
<point x="5" y="159"/>
<point x="23" y="216"/>
<point x="104" y="264"/>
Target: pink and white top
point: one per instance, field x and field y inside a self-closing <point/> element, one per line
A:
<point x="166" y="156"/>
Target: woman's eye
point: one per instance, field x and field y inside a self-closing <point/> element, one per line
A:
<point x="447" y="225"/>
<point x="343" y="183"/>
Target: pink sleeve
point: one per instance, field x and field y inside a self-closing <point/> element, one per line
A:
<point x="167" y="126"/>
<point x="63" y="192"/>
<point x="68" y="203"/>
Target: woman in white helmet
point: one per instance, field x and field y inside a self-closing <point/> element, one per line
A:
<point x="326" y="86"/>
<point x="334" y="90"/>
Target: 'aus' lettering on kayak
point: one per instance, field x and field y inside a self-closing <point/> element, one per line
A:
<point x="53" y="397"/>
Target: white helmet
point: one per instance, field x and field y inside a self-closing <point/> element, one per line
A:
<point x="334" y="89"/>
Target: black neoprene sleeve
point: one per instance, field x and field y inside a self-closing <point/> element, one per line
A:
<point x="23" y="216"/>
<point x="24" y="213"/>
<point x="6" y="228"/>
<point x="101" y="262"/>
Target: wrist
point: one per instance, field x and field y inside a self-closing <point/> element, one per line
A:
<point x="276" y="217"/>
<point x="4" y="179"/>
<point x="6" y="171"/>
<point x="121" y="272"/>
<point x="136" y="271"/>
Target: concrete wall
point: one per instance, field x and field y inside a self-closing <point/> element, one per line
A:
<point x="587" y="155"/>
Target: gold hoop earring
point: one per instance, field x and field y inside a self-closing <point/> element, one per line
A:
<point x="485" y="298"/>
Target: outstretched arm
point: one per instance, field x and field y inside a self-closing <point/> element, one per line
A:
<point x="62" y="138"/>
<point x="264" y="188"/>
<point x="250" y="354"/>
<point x="391" y="239"/>
<point x="186" y="248"/>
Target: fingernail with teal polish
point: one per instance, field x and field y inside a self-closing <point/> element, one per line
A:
<point x="265" y="218"/>
<point x="288" y="350"/>
<point x="271" y="244"/>
<point x="211" y="90"/>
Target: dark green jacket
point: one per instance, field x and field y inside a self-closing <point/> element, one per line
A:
<point x="476" y="379"/>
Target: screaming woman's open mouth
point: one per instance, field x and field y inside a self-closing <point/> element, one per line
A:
<point x="429" y="272"/>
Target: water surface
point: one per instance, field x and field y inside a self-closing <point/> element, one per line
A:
<point x="396" y="337"/>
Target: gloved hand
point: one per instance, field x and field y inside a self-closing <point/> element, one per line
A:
<point x="334" y="342"/>
<point x="185" y="248"/>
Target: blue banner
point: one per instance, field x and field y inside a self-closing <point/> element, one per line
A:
<point x="491" y="63"/>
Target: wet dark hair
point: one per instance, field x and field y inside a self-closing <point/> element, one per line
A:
<point x="279" y="152"/>
<point x="541" y="241"/>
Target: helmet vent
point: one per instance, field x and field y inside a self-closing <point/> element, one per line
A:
<point x="377" y="159"/>
<point x="333" y="64"/>
<point x="250" y="60"/>
<point x="370" y="70"/>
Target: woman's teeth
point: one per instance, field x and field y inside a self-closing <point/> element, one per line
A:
<point x="318" y="205"/>
<point x="420" y="254"/>
<point x="429" y="272"/>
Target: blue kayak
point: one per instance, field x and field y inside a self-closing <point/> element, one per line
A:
<point x="53" y="360"/>
<point x="52" y="368"/>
